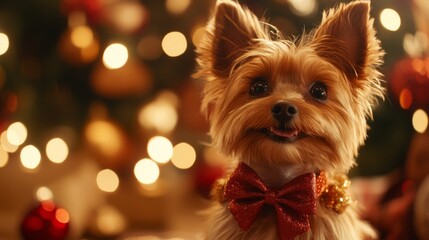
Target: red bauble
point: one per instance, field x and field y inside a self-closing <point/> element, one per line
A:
<point x="45" y="222"/>
<point x="409" y="83"/>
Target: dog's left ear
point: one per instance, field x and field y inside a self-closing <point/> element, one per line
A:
<point x="346" y="38"/>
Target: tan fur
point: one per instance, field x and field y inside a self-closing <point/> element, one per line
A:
<point x="342" y="52"/>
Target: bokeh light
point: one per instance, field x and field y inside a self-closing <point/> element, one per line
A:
<point x="161" y="114"/>
<point x="184" y="156"/>
<point x="127" y="16"/>
<point x="421" y="66"/>
<point x="115" y="56"/>
<point x="158" y="115"/>
<point x="415" y="45"/>
<point x="104" y="136"/>
<point x="17" y="133"/>
<point x="30" y="157"/>
<point x="405" y="98"/>
<point x="146" y="171"/>
<point x="48" y="205"/>
<point x="79" y="45"/>
<point x="303" y="7"/>
<point x="82" y="36"/>
<point x="107" y="180"/>
<point x="198" y="34"/>
<point x="177" y="6"/>
<point x="57" y="150"/>
<point x="174" y="44"/>
<point x="43" y="194"/>
<point x="62" y="216"/>
<point x="390" y="19"/>
<point x="160" y="149"/>
<point x="6" y="145"/>
<point x="4" y="43"/>
<point x="4" y="157"/>
<point x="420" y="120"/>
<point x="110" y="221"/>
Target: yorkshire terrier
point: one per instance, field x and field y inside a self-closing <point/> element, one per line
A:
<point x="290" y="115"/>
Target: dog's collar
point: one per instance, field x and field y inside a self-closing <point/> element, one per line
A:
<point x="333" y="195"/>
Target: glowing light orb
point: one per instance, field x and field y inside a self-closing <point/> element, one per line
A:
<point x="104" y="136"/>
<point x="184" y="156"/>
<point x="115" y="56"/>
<point x="160" y="114"/>
<point x="146" y="171"/>
<point x="177" y="6"/>
<point x="415" y="45"/>
<point x="198" y="34"/>
<point x="6" y="145"/>
<point x="160" y="149"/>
<point x="30" y="157"/>
<point x="4" y="43"/>
<point x="82" y="36"/>
<point x="43" y="194"/>
<point x="303" y="7"/>
<point x="390" y="19"/>
<point x="128" y="16"/>
<point x="17" y="133"/>
<point x="107" y="180"/>
<point x="420" y="120"/>
<point x="110" y="221"/>
<point x="4" y="157"/>
<point x="405" y="98"/>
<point x="62" y="216"/>
<point x="57" y="150"/>
<point x="174" y="44"/>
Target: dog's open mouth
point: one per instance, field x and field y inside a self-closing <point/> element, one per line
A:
<point x="286" y="135"/>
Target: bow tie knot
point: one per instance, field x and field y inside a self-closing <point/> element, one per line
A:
<point x="270" y="198"/>
<point x="294" y="202"/>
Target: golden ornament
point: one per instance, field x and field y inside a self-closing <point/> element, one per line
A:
<point x="336" y="196"/>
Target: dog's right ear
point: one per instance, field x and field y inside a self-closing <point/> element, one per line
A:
<point x="230" y="32"/>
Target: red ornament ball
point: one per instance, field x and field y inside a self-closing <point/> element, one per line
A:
<point x="409" y="83"/>
<point x="45" y="222"/>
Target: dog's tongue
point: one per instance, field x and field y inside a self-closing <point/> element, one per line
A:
<point x="285" y="133"/>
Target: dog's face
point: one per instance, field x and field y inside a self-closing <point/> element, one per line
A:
<point x="301" y="102"/>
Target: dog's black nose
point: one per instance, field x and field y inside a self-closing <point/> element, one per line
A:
<point x="284" y="111"/>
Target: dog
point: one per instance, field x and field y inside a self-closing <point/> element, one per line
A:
<point x="290" y="116"/>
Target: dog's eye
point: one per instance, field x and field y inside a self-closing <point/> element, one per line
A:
<point x="258" y="87"/>
<point x="318" y="91"/>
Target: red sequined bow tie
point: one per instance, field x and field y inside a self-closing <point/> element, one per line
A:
<point x="293" y="202"/>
